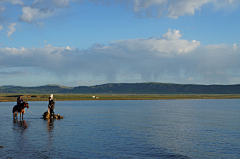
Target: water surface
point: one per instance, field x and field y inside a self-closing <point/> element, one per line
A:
<point x="124" y="129"/>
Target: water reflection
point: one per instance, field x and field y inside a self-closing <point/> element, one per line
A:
<point x="22" y="124"/>
<point x="49" y="124"/>
<point x="20" y="133"/>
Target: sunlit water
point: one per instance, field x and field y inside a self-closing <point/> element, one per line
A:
<point x="124" y="129"/>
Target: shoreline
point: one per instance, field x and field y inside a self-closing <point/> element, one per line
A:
<point x="79" y="97"/>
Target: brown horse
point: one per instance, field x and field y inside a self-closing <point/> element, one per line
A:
<point x="20" y="109"/>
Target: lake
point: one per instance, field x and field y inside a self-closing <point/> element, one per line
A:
<point x="124" y="129"/>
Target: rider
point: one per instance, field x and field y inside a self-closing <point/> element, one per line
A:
<point x="51" y="105"/>
<point x="19" y="100"/>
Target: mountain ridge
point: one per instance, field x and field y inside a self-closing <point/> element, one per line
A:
<point x="128" y="88"/>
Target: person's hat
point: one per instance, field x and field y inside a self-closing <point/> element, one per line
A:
<point x="51" y="96"/>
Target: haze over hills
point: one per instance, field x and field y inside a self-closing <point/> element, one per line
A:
<point x="128" y="88"/>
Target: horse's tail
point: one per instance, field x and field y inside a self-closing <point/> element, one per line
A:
<point x="14" y="109"/>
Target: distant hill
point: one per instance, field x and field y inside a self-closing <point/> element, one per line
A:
<point x="128" y="88"/>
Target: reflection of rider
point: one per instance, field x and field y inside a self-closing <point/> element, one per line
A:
<point x="19" y="100"/>
<point x="51" y="106"/>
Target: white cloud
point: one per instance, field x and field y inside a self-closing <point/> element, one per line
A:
<point x="45" y="41"/>
<point x="167" y="45"/>
<point x="171" y="8"/>
<point x="55" y="3"/>
<point x="17" y="2"/>
<point x="229" y="5"/>
<point x="1" y="27"/>
<point x="11" y="28"/>
<point x="68" y="48"/>
<point x="179" y="8"/>
<point x="61" y="3"/>
<point x="42" y="9"/>
<point x="235" y="47"/>
<point x="165" y="59"/>
<point x="2" y="9"/>
<point x="31" y="14"/>
<point x="172" y="35"/>
<point x="40" y="24"/>
<point x="48" y="45"/>
<point x="138" y="5"/>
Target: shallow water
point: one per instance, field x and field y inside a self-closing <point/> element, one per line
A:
<point x="124" y="129"/>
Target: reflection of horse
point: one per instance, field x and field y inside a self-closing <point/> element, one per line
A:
<point x="20" y="109"/>
<point x="22" y="124"/>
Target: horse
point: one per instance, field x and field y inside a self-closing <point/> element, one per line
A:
<point x="20" y="109"/>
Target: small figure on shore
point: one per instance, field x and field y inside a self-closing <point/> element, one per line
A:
<point x="51" y="106"/>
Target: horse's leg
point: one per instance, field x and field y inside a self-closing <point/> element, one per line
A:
<point x="23" y="111"/>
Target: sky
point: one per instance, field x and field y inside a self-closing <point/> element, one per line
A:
<point x="92" y="42"/>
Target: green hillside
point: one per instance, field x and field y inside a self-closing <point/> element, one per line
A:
<point x="128" y="88"/>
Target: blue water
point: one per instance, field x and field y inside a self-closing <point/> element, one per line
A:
<point x="124" y="129"/>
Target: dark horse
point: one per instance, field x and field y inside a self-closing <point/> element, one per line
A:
<point x="20" y="109"/>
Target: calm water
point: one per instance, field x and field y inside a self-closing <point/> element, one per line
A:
<point x="124" y="129"/>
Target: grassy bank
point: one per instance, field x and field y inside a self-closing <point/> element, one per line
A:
<point x="63" y="97"/>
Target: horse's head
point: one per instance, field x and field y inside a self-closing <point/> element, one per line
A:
<point x="26" y="104"/>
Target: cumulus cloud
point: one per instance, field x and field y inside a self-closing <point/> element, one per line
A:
<point x="11" y="29"/>
<point x="164" y="59"/>
<point x="172" y="35"/>
<point x="168" y="45"/>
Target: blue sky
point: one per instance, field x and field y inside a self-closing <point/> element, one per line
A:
<point x="91" y="42"/>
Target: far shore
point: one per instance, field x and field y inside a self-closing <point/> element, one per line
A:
<point x="73" y="97"/>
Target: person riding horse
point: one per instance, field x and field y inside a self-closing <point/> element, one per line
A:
<point x="19" y="100"/>
<point x="20" y="107"/>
